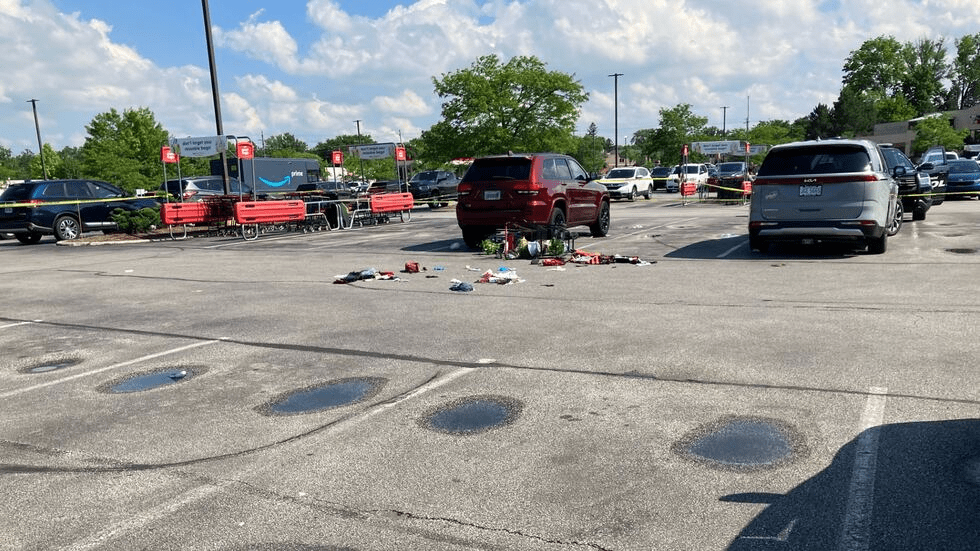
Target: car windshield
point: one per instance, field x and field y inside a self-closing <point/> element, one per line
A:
<point x="824" y="159"/>
<point x="499" y="168"/>
<point x="621" y="173"/>
<point x="964" y="166"/>
<point x="731" y="167"/>
<point x="660" y="171"/>
<point x="691" y="169"/>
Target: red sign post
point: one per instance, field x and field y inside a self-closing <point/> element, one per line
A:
<point x="168" y="156"/>
<point x="338" y="158"/>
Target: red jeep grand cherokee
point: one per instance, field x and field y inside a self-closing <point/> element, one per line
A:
<point x="529" y="192"/>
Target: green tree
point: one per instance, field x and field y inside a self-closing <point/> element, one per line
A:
<point x="924" y="72"/>
<point x="8" y="170"/>
<point x="855" y="111"/>
<point x="937" y="130"/>
<point x="678" y="126"/>
<point x="590" y="150"/>
<point x="53" y="164"/>
<point x="284" y="145"/>
<point x="876" y="66"/>
<point x="775" y="132"/>
<point x="494" y="107"/>
<point x="124" y="149"/>
<point x="965" y="73"/>
<point x="71" y="162"/>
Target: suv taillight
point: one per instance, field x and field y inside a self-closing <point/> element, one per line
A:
<point x="527" y="188"/>
<point x="189" y="194"/>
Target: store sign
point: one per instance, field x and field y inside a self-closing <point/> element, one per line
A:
<point x="206" y="146"/>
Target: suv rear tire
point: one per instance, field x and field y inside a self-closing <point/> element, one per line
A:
<point x="66" y="227"/>
<point x="31" y="238"/>
<point x="556" y="223"/>
<point x="474" y="236"/>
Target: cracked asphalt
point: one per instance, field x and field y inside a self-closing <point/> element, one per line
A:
<point x="868" y="361"/>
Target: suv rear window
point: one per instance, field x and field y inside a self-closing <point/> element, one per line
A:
<point x="17" y="193"/>
<point x="828" y="159"/>
<point x="502" y="168"/>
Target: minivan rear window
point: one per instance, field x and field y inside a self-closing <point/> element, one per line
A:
<point x="503" y="168"/>
<point x="828" y="159"/>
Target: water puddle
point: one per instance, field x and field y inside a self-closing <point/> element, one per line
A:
<point x="54" y="365"/>
<point x="472" y="414"/>
<point x="743" y="443"/>
<point x="328" y="395"/>
<point x="150" y="380"/>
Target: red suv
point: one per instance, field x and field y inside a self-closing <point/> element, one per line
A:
<point x="530" y="193"/>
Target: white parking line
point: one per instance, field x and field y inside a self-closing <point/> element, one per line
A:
<point x="856" y="532"/>
<point x="15" y="324"/>
<point x="107" y="368"/>
<point x="733" y="249"/>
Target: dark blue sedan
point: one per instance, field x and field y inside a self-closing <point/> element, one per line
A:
<point x="964" y="178"/>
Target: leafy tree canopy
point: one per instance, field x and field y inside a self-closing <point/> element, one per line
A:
<point x="284" y="145"/>
<point x="493" y="107"/>
<point x="937" y="130"/>
<point x="124" y="149"/>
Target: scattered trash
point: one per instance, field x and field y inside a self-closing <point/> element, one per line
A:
<point x="504" y="269"/>
<point x="503" y="278"/>
<point x="472" y="269"/>
<point x="552" y="262"/>
<point x="585" y="257"/>
<point x="178" y="375"/>
<point x="460" y="286"/>
<point x="411" y="267"/>
<point x="370" y="273"/>
<point x="439" y="268"/>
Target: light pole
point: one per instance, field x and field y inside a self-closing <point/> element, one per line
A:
<point x="616" y="114"/>
<point x="724" y="119"/>
<point x="40" y="147"/>
<point x="363" y="176"/>
<point x="214" y="93"/>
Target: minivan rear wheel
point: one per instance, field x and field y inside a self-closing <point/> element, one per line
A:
<point x="895" y="224"/>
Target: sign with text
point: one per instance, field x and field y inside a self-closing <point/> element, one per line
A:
<point x="200" y="147"/>
<point x="338" y="158"/>
<point x="400" y="154"/>
<point x="373" y="151"/>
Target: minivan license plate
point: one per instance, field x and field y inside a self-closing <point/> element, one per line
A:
<point x="491" y="195"/>
<point x="811" y="191"/>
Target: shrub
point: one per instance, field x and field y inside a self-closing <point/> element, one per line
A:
<point x="136" y="221"/>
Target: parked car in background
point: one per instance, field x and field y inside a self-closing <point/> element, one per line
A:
<point x="198" y="188"/>
<point x="436" y="186"/>
<point x="325" y="190"/>
<point x="63" y="208"/>
<point x="964" y="178"/>
<point x="628" y="182"/>
<point x="691" y="172"/>
<point x="825" y="191"/>
<point x="914" y="187"/>
<point x="660" y="175"/>
<point x="935" y="163"/>
<point x="529" y="192"/>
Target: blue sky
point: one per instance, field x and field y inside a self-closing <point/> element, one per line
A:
<point x="313" y="67"/>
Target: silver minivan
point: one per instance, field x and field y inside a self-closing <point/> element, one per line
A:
<point x="824" y="191"/>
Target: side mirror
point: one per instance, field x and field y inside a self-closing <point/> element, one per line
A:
<point x="899" y="171"/>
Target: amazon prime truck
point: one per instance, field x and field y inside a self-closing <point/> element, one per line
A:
<point x="268" y="175"/>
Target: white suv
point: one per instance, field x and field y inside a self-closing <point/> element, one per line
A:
<point x="691" y="172"/>
<point x="825" y="191"/>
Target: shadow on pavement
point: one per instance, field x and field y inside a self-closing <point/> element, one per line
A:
<point x="926" y="495"/>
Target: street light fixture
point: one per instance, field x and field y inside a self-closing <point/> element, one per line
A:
<point x="40" y="146"/>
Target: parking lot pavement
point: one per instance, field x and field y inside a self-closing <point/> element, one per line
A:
<point x="221" y="394"/>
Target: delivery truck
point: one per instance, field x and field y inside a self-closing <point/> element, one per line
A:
<point x="268" y="175"/>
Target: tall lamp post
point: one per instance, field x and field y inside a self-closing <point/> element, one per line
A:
<point x="364" y="176"/>
<point x="616" y="114"/>
<point x="40" y="146"/>
<point x="214" y="93"/>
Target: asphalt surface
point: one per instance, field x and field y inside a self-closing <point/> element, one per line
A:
<point x="714" y="398"/>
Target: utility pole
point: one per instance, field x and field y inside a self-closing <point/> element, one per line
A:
<point x="724" y="119"/>
<point x="616" y="114"/>
<point x="40" y="146"/>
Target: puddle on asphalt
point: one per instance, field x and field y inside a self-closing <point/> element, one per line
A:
<point x="743" y="443"/>
<point x="333" y="394"/>
<point x="472" y="414"/>
<point x="150" y="380"/>
<point x="54" y="365"/>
